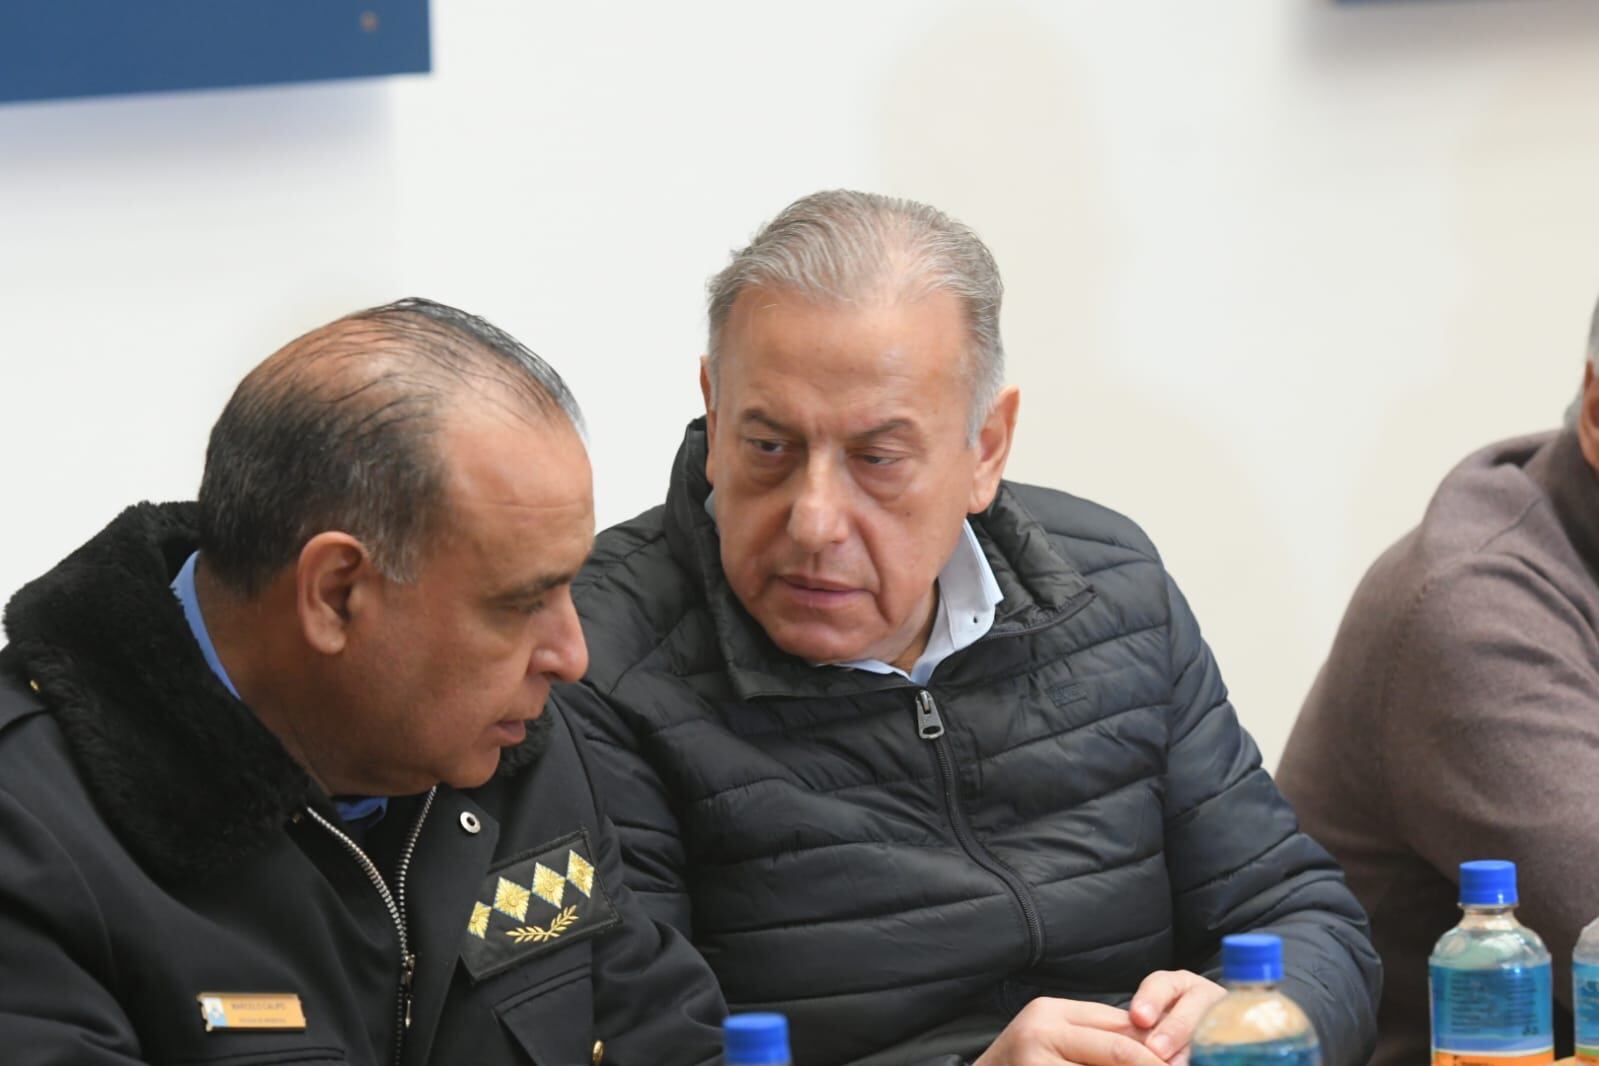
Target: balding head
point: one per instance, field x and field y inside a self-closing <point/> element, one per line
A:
<point x="340" y="429"/>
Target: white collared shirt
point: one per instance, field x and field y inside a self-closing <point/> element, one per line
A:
<point x="967" y="596"/>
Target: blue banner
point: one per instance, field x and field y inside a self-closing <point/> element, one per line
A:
<point x="62" y="48"/>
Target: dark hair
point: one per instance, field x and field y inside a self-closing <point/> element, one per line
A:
<point x="336" y="431"/>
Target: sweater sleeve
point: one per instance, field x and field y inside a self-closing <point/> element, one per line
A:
<point x="1491" y="744"/>
<point x="1239" y="862"/>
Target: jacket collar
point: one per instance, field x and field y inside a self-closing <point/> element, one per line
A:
<point x="1040" y="586"/>
<point x="1561" y="470"/>
<point x="187" y="777"/>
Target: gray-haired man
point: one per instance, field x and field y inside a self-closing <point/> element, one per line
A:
<point x="935" y="763"/>
<point x="1455" y="717"/>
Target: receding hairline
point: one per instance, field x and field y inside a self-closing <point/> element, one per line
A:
<point x="361" y="352"/>
<point x="876" y="295"/>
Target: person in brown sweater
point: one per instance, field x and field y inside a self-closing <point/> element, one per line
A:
<point x="1457" y="716"/>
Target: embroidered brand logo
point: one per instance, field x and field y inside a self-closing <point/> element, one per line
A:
<point x="1068" y="693"/>
<point x="534" y="903"/>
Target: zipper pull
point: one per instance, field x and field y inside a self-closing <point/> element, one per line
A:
<point x="406" y="974"/>
<point x="929" y="726"/>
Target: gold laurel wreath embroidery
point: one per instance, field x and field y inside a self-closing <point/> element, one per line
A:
<point x="538" y="934"/>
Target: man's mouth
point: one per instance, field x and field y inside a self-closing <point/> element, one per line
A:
<point x="818" y="591"/>
<point x="510" y="731"/>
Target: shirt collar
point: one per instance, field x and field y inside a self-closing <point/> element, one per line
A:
<point x="968" y="595"/>
<point x="183" y="588"/>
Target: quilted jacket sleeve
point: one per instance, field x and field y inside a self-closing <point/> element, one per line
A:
<point x="655" y="999"/>
<point x="1239" y="862"/>
<point x="651" y="843"/>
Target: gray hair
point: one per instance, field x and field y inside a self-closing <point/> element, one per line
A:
<point x="337" y="431"/>
<point x="838" y="246"/>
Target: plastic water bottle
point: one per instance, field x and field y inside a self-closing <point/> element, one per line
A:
<point x="1585" y="993"/>
<point x="1490" y="979"/>
<point x="755" y="1040"/>
<point x="1254" y="1024"/>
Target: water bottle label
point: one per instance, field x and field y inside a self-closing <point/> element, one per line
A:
<point x="1494" y="1016"/>
<point x="1585" y="1005"/>
<point x="1271" y="1053"/>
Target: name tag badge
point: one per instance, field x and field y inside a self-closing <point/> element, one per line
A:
<point x="251" y="1010"/>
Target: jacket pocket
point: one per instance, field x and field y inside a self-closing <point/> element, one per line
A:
<point x="553" y="1021"/>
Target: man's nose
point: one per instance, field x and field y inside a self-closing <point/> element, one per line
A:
<point x="564" y="653"/>
<point x="819" y="516"/>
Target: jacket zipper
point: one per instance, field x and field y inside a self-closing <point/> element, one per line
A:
<point x="930" y="727"/>
<point x="395" y="902"/>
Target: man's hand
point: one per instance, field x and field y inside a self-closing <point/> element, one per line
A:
<point x="1167" y="1007"/>
<point x="1049" y="1032"/>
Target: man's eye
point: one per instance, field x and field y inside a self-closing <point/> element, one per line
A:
<point x="528" y="607"/>
<point x="871" y="459"/>
<point x="768" y="447"/>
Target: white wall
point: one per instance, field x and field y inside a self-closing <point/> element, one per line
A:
<point x="1273" y="264"/>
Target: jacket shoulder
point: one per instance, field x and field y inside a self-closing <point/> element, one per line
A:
<point x="30" y="740"/>
<point x="1090" y="534"/>
<point x="38" y="768"/>
<point x="17" y="702"/>
<point x="632" y="594"/>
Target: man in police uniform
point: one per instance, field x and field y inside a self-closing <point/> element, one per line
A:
<point x="275" y="780"/>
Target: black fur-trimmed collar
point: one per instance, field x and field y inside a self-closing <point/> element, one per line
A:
<point x="186" y="776"/>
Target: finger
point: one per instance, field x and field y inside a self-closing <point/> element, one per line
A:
<point x="1177" y="1028"/>
<point x="1098" y="1015"/>
<point x="1155" y="996"/>
<point x="1094" y="1047"/>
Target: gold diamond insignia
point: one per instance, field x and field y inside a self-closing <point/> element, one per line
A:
<point x="547" y="885"/>
<point x="580" y="872"/>
<point x="511" y="899"/>
<point x="506" y="926"/>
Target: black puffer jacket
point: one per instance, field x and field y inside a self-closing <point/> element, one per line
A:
<point x="158" y="845"/>
<point x="1089" y="811"/>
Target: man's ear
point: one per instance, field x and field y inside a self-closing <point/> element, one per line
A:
<point x="993" y="448"/>
<point x="333" y="581"/>
<point x="710" y="418"/>
<point x="1588" y="419"/>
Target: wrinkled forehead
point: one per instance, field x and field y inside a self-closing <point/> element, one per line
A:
<point x="853" y="340"/>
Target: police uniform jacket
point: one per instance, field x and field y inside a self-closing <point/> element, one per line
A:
<point x="175" y="889"/>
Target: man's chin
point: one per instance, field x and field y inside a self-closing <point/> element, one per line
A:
<point x="804" y="642"/>
<point x="478" y="773"/>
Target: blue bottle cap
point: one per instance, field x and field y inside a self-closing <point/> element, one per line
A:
<point x="755" y="1040"/>
<point x="1490" y="882"/>
<point x="1250" y="958"/>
